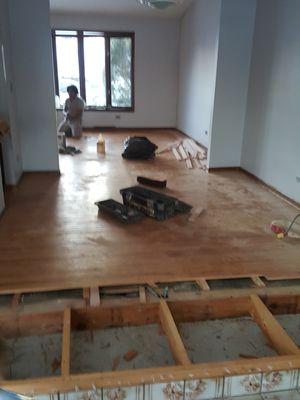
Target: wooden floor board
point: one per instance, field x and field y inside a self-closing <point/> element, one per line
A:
<point x="52" y="237"/>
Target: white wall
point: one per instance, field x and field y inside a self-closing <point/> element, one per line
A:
<point x="33" y="83"/>
<point x="156" y="68"/>
<point x="2" y="203"/>
<point x="234" y="55"/>
<point x="271" y="148"/>
<point x="198" y="63"/>
<point x="10" y="143"/>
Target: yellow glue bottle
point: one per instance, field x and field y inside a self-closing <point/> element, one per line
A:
<point x="101" y="144"/>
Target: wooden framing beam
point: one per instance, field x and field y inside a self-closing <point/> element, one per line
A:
<point x="16" y="299"/>
<point x="66" y="343"/>
<point x="142" y="293"/>
<point x="151" y="375"/>
<point x="177" y="347"/>
<point x="94" y="297"/>
<point x="202" y="283"/>
<point x="142" y="280"/>
<point x="258" y="282"/>
<point x="86" y="293"/>
<point x="278" y="337"/>
<point x="167" y="314"/>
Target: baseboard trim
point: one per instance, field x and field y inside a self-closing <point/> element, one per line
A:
<point x="275" y="191"/>
<point x="270" y="188"/>
<point x="55" y="173"/>
<point x="114" y="128"/>
<point x="223" y="169"/>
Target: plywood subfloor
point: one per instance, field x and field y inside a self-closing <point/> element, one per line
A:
<point x="52" y="237"/>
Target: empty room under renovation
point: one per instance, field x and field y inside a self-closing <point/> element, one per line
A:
<point x="149" y="200"/>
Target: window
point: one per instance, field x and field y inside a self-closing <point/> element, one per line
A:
<point x="100" y="64"/>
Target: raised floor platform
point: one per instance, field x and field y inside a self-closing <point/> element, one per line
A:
<point x="51" y="236"/>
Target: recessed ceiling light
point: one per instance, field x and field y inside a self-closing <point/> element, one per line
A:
<point x="158" y="4"/>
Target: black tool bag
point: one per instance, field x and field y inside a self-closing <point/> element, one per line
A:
<point x="138" y="148"/>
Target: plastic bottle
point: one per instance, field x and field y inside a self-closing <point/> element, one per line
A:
<point x="101" y="144"/>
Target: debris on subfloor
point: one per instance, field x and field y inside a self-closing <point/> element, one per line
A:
<point x="283" y="228"/>
<point x="56" y="364"/>
<point x="195" y="214"/>
<point x="116" y="363"/>
<point x="189" y="151"/>
<point x="69" y="150"/>
<point x="130" y="355"/>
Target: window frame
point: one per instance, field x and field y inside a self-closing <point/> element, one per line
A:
<point x="107" y="35"/>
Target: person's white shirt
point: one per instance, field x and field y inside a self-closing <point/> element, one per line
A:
<point x="73" y="111"/>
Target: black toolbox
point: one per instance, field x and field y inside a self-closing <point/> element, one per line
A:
<point x="120" y="211"/>
<point x="153" y="204"/>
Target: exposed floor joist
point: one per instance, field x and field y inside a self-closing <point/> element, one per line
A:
<point x="278" y="337"/>
<point x="168" y="313"/>
<point x="177" y="347"/>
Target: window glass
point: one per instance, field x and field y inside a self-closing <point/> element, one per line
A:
<point x="120" y="66"/>
<point x="94" y="62"/>
<point x="82" y="60"/>
<point x="66" y="33"/>
<point x="67" y="65"/>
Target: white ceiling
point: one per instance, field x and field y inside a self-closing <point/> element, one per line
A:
<point x="116" y="7"/>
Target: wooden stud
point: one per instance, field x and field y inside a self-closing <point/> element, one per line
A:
<point x="177" y="347"/>
<point x="86" y="295"/>
<point x="66" y="343"/>
<point x="202" y="283"/>
<point x="94" y="297"/>
<point x="16" y="299"/>
<point x="258" y="282"/>
<point x="142" y="292"/>
<point x="278" y="337"/>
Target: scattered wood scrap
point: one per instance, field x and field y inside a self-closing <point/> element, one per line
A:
<point x="194" y="155"/>
<point x="195" y="214"/>
<point x="130" y="355"/>
<point x="116" y="363"/>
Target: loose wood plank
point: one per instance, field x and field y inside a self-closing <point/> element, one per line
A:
<point x="198" y="148"/>
<point x="66" y="343"/>
<point x="189" y="149"/>
<point x="182" y="152"/>
<point x="177" y="347"/>
<point x="197" y="163"/>
<point x="176" y="154"/>
<point x="189" y="164"/>
<point x="278" y="337"/>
